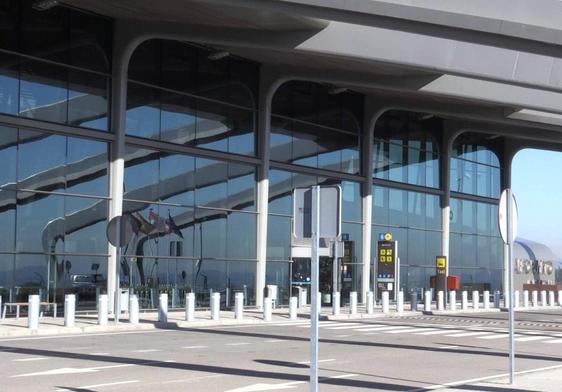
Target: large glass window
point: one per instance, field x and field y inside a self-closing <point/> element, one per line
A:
<point x="50" y="90"/>
<point x="194" y="216"/>
<point x="179" y="94"/>
<point x="406" y="148"/>
<point x="312" y="126"/>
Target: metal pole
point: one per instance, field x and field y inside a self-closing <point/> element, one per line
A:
<point x="314" y="271"/>
<point x="117" y="296"/>
<point x="510" y="287"/>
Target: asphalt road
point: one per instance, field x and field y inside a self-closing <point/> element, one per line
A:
<point x="391" y="354"/>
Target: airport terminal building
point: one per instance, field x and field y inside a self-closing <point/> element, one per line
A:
<point x="198" y="119"/>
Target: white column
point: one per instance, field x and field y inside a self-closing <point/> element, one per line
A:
<point x="440" y="300"/>
<point x="534" y="298"/>
<point x="33" y="312"/>
<point x="239" y="306"/>
<point x="102" y="309"/>
<point x="369" y="304"/>
<point x="400" y="302"/>
<point x="336" y="303"/>
<point x="163" y="308"/>
<point x="452" y="300"/>
<point x="427" y="301"/>
<point x="445" y="230"/>
<point x="525" y="298"/>
<point x="293" y="302"/>
<point x="353" y="302"/>
<point x="543" y="298"/>
<point x="464" y="300"/>
<point x="560" y="297"/>
<point x="267" y="305"/>
<point x="551" y="298"/>
<point x="190" y="306"/>
<point x="486" y="300"/>
<point x="215" y="306"/>
<point x="475" y="300"/>
<point x="69" y="310"/>
<point x="133" y="309"/>
<point x="385" y="302"/>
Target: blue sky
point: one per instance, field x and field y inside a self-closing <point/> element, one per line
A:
<point x="537" y="186"/>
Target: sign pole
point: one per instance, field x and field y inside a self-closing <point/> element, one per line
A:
<point x="510" y="286"/>
<point x="314" y="272"/>
<point x="117" y="295"/>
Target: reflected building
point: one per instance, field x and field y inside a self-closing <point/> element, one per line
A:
<point x="201" y="142"/>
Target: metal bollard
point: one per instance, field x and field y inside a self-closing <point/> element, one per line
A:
<point x="385" y="302"/>
<point x="190" y="307"/>
<point x="525" y="298"/>
<point x="33" y="312"/>
<point x="543" y="297"/>
<point x="497" y="299"/>
<point x="369" y="302"/>
<point x="464" y="300"/>
<point x="353" y="302"/>
<point x="534" y="298"/>
<point x="163" y="308"/>
<point x="400" y="301"/>
<point x="133" y="309"/>
<point x="475" y="300"/>
<point x="239" y="306"/>
<point x="215" y="306"/>
<point x="267" y="305"/>
<point x="302" y="298"/>
<point x="414" y="301"/>
<point x="102" y="309"/>
<point x="293" y="302"/>
<point x="440" y="300"/>
<point x="516" y="299"/>
<point x="551" y="298"/>
<point x="336" y="303"/>
<point x="69" y="309"/>
<point x="452" y="300"/>
<point x="486" y="300"/>
<point x="427" y="301"/>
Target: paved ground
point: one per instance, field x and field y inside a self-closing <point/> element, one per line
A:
<point x="408" y="353"/>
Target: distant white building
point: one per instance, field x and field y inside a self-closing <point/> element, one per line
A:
<point x="535" y="263"/>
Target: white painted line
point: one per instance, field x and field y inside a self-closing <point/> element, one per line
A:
<point x="402" y="330"/>
<point x="146" y="350"/>
<point x="99" y="353"/>
<point x="30" y="359"/>
<point x="342" y="336"/>
<point x="108" y="384"/>
<point x="441" y="331"/>
<point x="320" y="360"/>
<point x="82" y="335"/>
<point x="531" y="338"/>
<point x="555" y="341"/>
<point x="495" y="336"/>
<point x="321" y="324"/>
<point x="448" y="347"/>
<point x="348" y="375"/>
<point x="193" y="347"/>
<point x="467" y="334"/>
<point x="379" y="329"/>
<point x="267" y="387"/>
<point x="346" y="326"/>
<point x="274" y="341"/>
<point x="237" y="344"/>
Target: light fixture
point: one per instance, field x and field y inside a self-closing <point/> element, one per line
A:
<point x="337" y="90"/>
<point x="44" y="5"/>
<point x="218" y="55"/>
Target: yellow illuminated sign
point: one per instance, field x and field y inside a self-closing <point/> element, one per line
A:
<point x="388" y="237"/>
<point x="441" y="262"/>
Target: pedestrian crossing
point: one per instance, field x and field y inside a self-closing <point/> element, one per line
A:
<point x="446" y="330"/>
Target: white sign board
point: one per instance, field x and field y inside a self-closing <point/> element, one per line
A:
<point x="502" y="216"/>
<point x="330" y="212"/>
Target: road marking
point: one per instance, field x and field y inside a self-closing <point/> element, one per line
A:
<point x="237" y="344"/>
<point x="59" y="371"/>
<point x="402" y="330"/>
<point x="555" y="341"/>
<point x="267" y="387"/>
<point x="531" y="338"/>
<point x="82" y="335"/>
<point x="321" y="324"/>
<point x="342" y="336"/>
<point x="193" y="347"/>
<point x="274" y="341"/>
<point x="108" y="384"/>
<point x="441" y="331"/>
<point x="30" y="359"/>
<point x="377" y="329"/>
<point x="346" y="326"/>
<point x="495" y="336"/>
<point x="447" y="347"/>
<point x="348" y="375"/>
<point x="320" y="360"/>
<point x="99" y="353"/>
<point x="466" y="334"/>
<point x="146" y="350"/>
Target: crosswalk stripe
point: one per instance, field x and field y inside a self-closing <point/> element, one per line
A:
<point x="555" y="341"/>
<point x="466" y="334"/>
<point x="347" y="326"/>
<point x="442" y="331"/>
<point x="403" y="330"/>
<point x="374" y="328"/>
<point x="377" y="329"/>
<point x="531" y="338"/>
<point x="495" y="336"/>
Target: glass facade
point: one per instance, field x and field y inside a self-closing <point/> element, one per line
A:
<point x="55" y="65"/>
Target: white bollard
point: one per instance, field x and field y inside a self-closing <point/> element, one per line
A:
<point x="369" y="302"/>
<point x="133" y="309"/>
<point x="215" y="306"/>
<point x="400" y="302"/>
<point x="486" y="300"/>
<point x="239" y="306"/>
<point x="336" y="303"/>
<point x="543" y="297"/>
<point x="319" y="302"/>
<point x="516" y="299"/>
<point x="33" y="312"/>
<point x="464" y="300"/>
<point x="69" y="309"/>
<point x="302" y="298"/>
<point x="385" y="302"/>
<point x="497" y="299"/>
<point x="102" y="309"/>
<point x="560" y="297"/>
<point x="190" y="307"/>
<point x="414" y="301"/>
<point x="427" y="301"/>
<point x="163" y="308"/>
<point x="353" y="302"/>
<point x="452" y="300"/>
<point x="475" y="300"/>
<point x="293" y="304"/>
<point x="534" y="298"/>
<point x="551" y="298"/>
<point x="440" y="300"/>
<point x="525" y="298"/>
<point x="267" y="305"/>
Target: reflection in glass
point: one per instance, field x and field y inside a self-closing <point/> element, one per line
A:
<point x="8" y="220"/>
<point x="9" y="84"/>
<point x="87" y="100"/>
<point x="143" y="111"/>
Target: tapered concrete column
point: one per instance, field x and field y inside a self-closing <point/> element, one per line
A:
<point x="268" y="86"/>
<point x="445" y="199"/>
